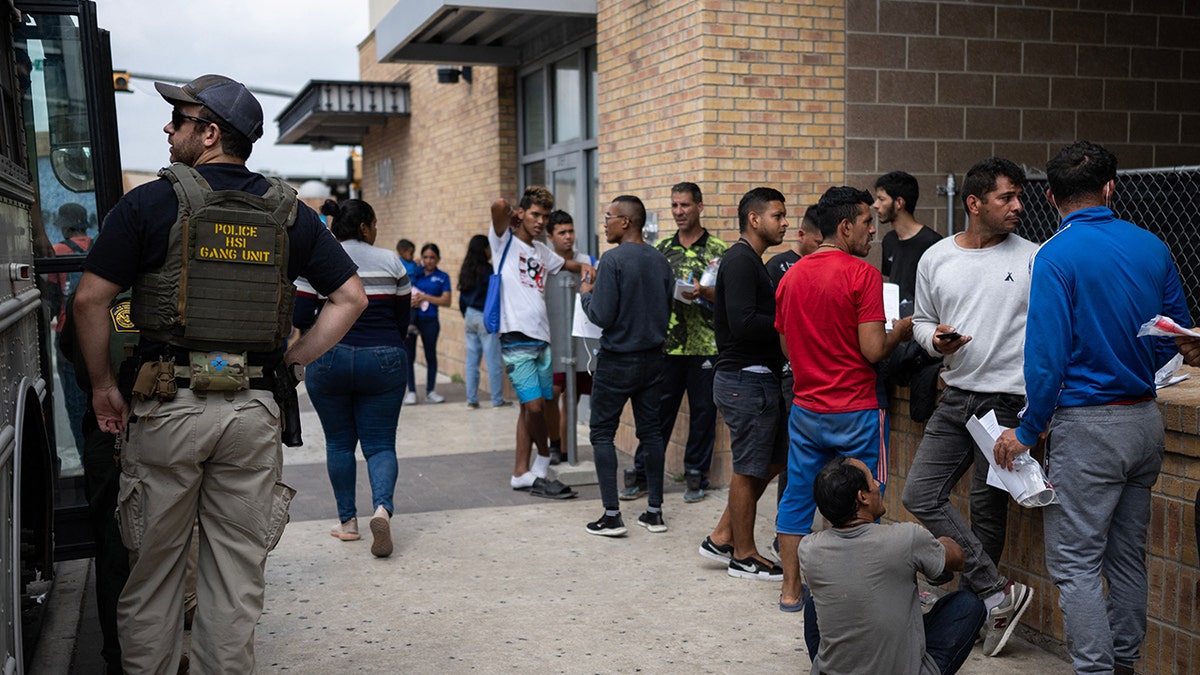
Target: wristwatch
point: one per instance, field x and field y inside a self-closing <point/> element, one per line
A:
<point x="297" y="372"/>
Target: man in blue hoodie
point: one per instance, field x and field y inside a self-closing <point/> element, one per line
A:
<point x="1094" y="283"/>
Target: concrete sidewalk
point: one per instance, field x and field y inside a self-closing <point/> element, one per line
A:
<point x="487" y="579"/>
<point x="523" y="586"/>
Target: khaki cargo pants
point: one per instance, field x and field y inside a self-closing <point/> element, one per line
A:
<point x="215" y="456"/>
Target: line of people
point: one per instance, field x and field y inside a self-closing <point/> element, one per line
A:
<point x="1084" y="389"/>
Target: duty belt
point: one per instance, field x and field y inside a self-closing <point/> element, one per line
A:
<point x="183" y="376"/>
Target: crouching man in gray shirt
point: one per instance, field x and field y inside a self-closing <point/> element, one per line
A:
<point x="864" y="586"/>
<point x="631" y="303"/>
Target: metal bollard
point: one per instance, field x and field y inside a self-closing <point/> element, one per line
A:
<point x="568" y="361"/>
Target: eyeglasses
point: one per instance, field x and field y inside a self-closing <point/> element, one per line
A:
<point x="619" y="215"/>
<point x="177" y="119"/>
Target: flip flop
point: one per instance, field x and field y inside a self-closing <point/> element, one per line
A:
<point x="551" y="489"/>
<point x="805" y="594"/>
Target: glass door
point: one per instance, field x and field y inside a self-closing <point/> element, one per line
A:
<point x="69" y="112"/>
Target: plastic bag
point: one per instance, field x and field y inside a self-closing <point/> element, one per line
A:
<point x="1164" y="326"/>
<point x="1037" y="491"/>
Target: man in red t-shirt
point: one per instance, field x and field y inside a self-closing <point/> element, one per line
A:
<point x="72" y="221"/>
<point x="829" y="314"/>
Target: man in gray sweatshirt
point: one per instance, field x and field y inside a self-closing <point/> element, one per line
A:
<point x="976" y="281"/>
<point x="631" y="303"/>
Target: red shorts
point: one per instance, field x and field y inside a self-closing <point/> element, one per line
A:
<point x="583" y="382"/>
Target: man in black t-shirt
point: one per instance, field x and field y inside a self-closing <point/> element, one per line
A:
<point x="190" y="450"/>
<point x="746" y="383"/>
<point x="896" y="196"/>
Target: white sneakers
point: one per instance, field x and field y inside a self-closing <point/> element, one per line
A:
<point x="434" y="397"/>
<point x="347" y="531"/>
<point x="410" y="398"/>
<point x="1002" y="618"/>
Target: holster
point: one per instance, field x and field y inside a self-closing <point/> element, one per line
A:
<point x="126" y="376"/>
<point x="283" y="386"/>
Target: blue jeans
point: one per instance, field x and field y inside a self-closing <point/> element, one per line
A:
<point x="951" y="626"/>
<point x="480" y="342"/>
<point x="635" y="377"/>
<point x="945" y="454"/>
<point x="357" y="392"/>
<point x="1102" y="462"/>
<point x="428" y="327"/>
<point x="74" y="399"/>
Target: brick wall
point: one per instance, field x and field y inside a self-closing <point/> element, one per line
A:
<point x="1173" y="633"/>
<point x="729" y="95"/>
<point x="934" y="86"/>
<point x="445" y="175"/>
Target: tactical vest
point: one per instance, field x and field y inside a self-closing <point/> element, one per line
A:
<point x="224" y="283"/>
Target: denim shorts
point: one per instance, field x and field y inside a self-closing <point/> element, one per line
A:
<point x="528" y="368"/>
<point x="753" y="410"/>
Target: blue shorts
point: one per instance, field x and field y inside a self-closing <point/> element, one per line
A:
<point x="528" y="367"/>
<point x="813" y="440"/>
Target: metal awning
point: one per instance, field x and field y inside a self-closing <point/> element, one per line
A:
<point x="328" y="113"/>
<point x="493" y="32"/>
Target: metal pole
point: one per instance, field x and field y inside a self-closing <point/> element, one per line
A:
<point x="568" y="361"/>
<point x="949" y="191"/>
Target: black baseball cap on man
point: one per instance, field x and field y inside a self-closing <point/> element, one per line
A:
<point x="228" y="99"/>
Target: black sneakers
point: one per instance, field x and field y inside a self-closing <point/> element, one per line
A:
<point x="652" y="521"/>
<point x="633" y="487"/>
<point x="607" y="526"/>
<point x="694" y="480"/>
<point x="753" y="568"/>
<point x="717" y="553"/>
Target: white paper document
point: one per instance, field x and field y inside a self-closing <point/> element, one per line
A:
<point x="580" y="326"/>
<point x="891" y="304"/>
<point x="1026" y="483"/>
<point x="682" y="287"/>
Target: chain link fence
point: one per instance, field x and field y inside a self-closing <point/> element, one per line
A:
<point x="1164" y="201"/>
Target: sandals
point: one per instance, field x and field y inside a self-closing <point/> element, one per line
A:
<point x="551" y="489"/>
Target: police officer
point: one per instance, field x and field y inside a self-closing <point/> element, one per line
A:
<point x="210" y="250"/>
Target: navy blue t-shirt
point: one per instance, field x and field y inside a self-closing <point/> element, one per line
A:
<point x="135" y="235"/>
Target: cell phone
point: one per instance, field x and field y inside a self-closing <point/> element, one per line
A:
<point x="949" y="336"/>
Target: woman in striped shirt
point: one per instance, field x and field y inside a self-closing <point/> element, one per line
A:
<point x="357" y="387"/>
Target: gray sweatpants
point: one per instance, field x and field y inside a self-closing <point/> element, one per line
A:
<point x="1103" y="461"/>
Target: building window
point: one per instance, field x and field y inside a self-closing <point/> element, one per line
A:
<point x="568" y="105"/>
<point x="383" y="169"/>
<point x="533" y="99"/>
<point x="558" y="134"/>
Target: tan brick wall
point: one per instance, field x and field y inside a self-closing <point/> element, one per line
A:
<point x="729" y="95"/>
<point x="933" y="87"/>
<point x="445" y="175"/>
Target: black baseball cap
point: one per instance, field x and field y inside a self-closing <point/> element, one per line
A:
<point x="228" y="99"/>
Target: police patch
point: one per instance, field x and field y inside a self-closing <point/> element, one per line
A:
<point x="121" y="319"/>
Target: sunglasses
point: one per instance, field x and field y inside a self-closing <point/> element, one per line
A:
<point x="177" y="119"/>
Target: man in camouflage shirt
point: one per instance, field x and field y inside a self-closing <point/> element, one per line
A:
<point x="691" y="347"/>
